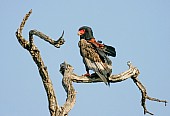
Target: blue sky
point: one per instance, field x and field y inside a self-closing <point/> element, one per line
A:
<point x="138" y="29"/>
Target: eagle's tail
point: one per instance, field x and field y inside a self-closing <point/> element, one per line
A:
<point x="103" y="71"/>
<point x="104" y="79"/>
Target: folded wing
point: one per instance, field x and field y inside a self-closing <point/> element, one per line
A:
<point x="96" y="59"/>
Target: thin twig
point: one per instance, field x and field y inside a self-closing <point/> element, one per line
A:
<point x="145" y="96"/>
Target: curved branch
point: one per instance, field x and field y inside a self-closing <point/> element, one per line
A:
<point x="132" y="73"/>
<point x="57" y="43"/>
<point x="35" y="53"/>
<point x="112" y="79"/>
<point x="24" y="43"/>
<point x="145" y="96"/>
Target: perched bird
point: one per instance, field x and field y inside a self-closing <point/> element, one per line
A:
<point x="95" y="54"/>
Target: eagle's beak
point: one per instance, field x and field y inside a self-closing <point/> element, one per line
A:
<point x="78" y="33"/>
<point x="81" y="32"/>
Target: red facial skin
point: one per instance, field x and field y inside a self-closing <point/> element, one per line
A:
<point x="81" y="32"/>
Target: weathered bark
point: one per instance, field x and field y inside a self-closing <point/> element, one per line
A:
<point x="132" y="73"/>
<point x="54" y="108"/>
<point x="68" y="75"/>
<point x="67" y="70"/>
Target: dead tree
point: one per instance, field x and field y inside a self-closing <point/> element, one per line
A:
<point x="68" y="75"/>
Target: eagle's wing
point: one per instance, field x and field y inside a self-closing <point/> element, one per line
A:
<point x="95" y="60"/>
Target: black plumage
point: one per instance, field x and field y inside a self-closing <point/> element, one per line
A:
<point x="88" y="33"/>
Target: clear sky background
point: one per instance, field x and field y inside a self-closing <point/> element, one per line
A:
<point x="138" y="29"/>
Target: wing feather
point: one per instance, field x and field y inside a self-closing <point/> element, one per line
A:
<point x="93" y="61"/>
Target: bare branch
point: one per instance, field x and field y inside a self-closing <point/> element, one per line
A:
<point x="35" y="53"/>
<point x="113" y="78"/>
<point x="57" y="43"/>
<point x="145" y="96"/>
<point x="24" y="43"/>
<point x="67" y="71"/>
<point x="132" y="73"/>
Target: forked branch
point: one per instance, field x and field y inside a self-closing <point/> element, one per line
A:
<point x="54" y="108"/>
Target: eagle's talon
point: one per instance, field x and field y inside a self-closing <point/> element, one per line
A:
<point x="87" y="75"/>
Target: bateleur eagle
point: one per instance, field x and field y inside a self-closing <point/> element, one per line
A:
<point x="95" y="54"/>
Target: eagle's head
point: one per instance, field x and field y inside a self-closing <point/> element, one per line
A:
<point x="85" y="32"/>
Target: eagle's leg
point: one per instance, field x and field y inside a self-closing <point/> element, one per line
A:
<point x="87" y="73"/>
